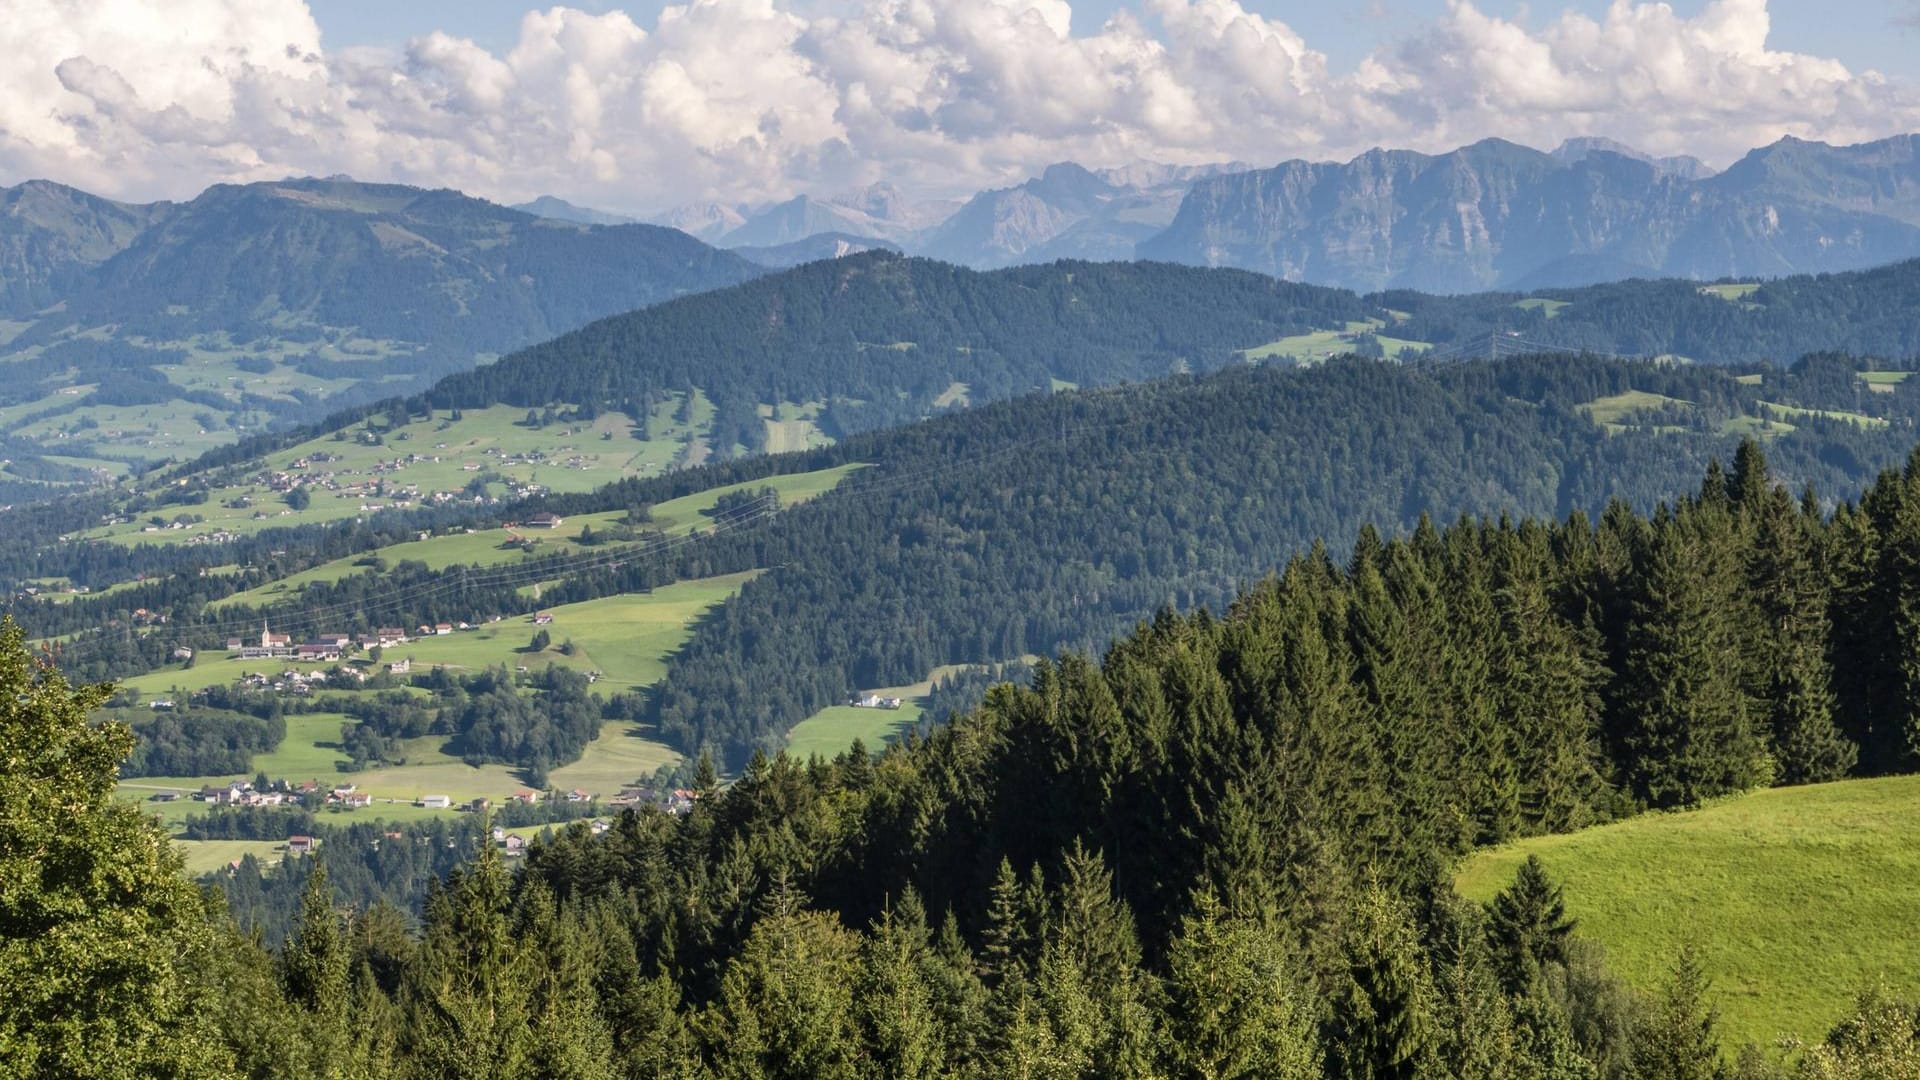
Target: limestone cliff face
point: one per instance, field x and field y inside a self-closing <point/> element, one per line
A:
<point x="1499" y="215"/>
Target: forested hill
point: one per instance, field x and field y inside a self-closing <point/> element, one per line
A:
<point x="881" y="339"/>
<point x="1061" y="520"/>
<point x="1221" y="851"/>
<point x="1866" y="312"/>
<point x="875" y="339"/>
<point x="136" y="334"/>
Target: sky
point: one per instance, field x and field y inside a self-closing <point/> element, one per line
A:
<point x="638" y="107"/>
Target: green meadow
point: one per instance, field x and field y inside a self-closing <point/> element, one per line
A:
<point x="1733" y="293"/>
<point x="1794" y="897"/>
<point x="1325" y="344"/>
<point x="492" y="548"/>
<point x="830" y="731"/>
<point x="625" y="638"/>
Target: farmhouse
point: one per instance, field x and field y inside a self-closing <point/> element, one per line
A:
<point x="543" y="618"/>
<point x="435" y="802"/>
<point x="400" y="667"/>
<point x="527" y="797"/>
<point x="316" y="653"/>
<point x="301" y="845"/>
<point x="545" y="521"/>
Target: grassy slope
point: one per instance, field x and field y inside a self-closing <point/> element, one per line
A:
<point x="626" y="637"/>
<point x="1793" y="895"/>
<point x="562" y="457"/>
<point x="833" y="729"/>
<point x="487" y="547"/>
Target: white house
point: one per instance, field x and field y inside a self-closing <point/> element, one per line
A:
<point x="435" y="802"/>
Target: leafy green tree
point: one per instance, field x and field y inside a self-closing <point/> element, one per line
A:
<point x="104" y="943"/>
<point x="1879" y="1041"/>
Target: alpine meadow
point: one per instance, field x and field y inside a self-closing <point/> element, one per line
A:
<point x="848" y="540"/>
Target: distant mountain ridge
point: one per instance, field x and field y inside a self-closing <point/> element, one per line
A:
<point x="153" y="331"/>
<point x="1499" y="215"/>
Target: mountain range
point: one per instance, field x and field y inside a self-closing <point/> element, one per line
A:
<point x="177" y="326"/>
<point x="1493" y="215"/>
<point x="1499" y="215"/>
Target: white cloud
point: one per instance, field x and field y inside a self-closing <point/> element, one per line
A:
<point x="748" y="99"/>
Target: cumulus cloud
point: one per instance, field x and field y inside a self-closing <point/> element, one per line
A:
<point x="739" y="100"/>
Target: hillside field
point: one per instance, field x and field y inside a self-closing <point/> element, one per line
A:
<point x="490" y="547"/>
<point x="626" y="638"/>
<point x="1794" y="897"/>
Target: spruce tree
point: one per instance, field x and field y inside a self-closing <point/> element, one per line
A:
<point x="898" y="1022"/>
<point x="1237" y="1008"/>
<point x="1381" y="1024"/>
<point x="1680" y="1038"/>
<point x="1687" y="731"/>
<point x="1527" y="926"/>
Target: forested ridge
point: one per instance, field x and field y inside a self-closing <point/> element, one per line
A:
<point x="1221" y="849"/>
<point x="1042" y="523"/>
<point x="1061" y="520"/>
<point x="878" y="339"/>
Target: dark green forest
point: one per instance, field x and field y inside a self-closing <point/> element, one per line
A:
<point x="1061" y="520"/>
<point x="1220" y="849"/>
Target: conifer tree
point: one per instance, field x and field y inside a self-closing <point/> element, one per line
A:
<point x="1236" y="1008"/>
<point x="1545" y="688"/>
<point x="1527" y="926"/>
<point x="1382" y="1020"/>
<point x="1688" y="733"/>
<point x="786" y="1009"/>
<point x="1680" y="1039"/>
<point x="898" y="1021"/>
<point x="468" y="988"/>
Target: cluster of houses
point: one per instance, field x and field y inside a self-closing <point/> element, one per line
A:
<point x="324" y="648"/>
<point x="873" y="701"/>
<point x="243" y="793"/>
<point x="348" y="796"/>
<point x="332" y="647"/>
<point x="677" y="801"/>
<point x="295" y="681"/>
